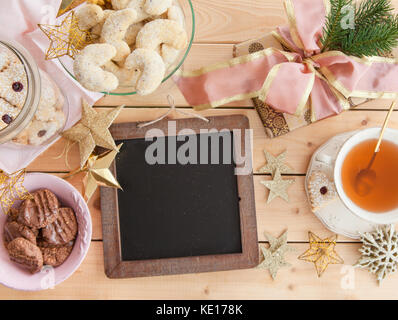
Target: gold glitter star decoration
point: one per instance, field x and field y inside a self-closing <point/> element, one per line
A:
<point x="98" y="173"/>
<point x="66" y="39"/>
<point x="278" y="187"/>
<point x="274" y="256"/>
<point x="12" y="189"/>
<point x="321" y="253"/>
<point x="274" y="163"/>
<point x="92" y="131"/>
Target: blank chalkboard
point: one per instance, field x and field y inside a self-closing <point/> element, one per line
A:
<point x="174" y="217"/>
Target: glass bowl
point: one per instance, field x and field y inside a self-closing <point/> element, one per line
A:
<point x="189" y="14"/>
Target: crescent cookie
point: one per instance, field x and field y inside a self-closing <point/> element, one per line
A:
<point x="157" y="7"/>
<point x="88" y="71"/>
<point x="132" y="32"/>
<point x="89" y="15"/>
<point x="161" y="31"/>
<point x="126" y="77"/>
<point x="151" y="67"/>
<point x="97" y="29"/>
<point x="114" y="31"/>
<point x="137" y="5"/>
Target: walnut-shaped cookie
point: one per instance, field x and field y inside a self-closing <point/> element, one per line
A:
<point x="39" y="211"/>
<point x="62" y="230"/>
<point x="26" y="254"/>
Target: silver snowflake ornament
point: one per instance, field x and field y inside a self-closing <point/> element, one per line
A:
<point x="379" y="251"/>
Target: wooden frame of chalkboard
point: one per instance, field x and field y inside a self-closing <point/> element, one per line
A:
<point x="115" y="267"/>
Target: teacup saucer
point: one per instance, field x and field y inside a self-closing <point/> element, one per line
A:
<point x="336" y="216"/>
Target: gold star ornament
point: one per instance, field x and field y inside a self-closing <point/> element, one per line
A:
<point x="66" y="39"/>
<point x="68" y="5"/>
<point x="278" y="187"/>
<point x="274" y="163"/>
<point x="12" y="189"/>
<point x="321" y="253"/>
<point x="98" y="173"/>
<point x="274" y="256"/>
<point x="92" y="131"/>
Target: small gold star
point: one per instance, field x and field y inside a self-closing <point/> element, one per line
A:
<point x="274" y="163"/>
<point x="274" y="256"/>
<point x="278" y="187"/>
<point x="92" y="131"/>
<point x="12" y="189"/>
<point x="66" y="39"/>
<point x="98" y="173"/>
<point x="321" y="252"/>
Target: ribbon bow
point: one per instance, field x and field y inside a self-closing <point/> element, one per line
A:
<point x="291" y="81"/>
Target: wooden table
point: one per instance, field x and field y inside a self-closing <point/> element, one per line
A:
<point x="220" y="24"/>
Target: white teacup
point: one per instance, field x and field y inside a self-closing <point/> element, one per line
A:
<point x="367" y="134"/>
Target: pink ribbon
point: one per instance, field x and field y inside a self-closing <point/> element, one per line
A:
<point x="291" y="81"/>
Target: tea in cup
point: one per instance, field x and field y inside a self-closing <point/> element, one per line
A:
<point x="380" y="204"/>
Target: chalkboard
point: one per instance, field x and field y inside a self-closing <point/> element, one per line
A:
<point x="174" y="217"/>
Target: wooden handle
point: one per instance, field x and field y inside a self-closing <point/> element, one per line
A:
<point x="385" y="126"/>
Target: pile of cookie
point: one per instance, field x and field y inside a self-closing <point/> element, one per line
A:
<point x="49" y="118"/>
<point x="40" y="232"/>
<point x="136" y="43"/>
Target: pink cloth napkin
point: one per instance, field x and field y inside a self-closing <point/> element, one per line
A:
<point x="19" y="19"/>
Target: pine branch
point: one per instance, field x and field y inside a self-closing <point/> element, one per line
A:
<point x="376" y="40"/>
<point x="375" y="32"/>
<point x="333" y="32"/>
<point x="370" y="12"/>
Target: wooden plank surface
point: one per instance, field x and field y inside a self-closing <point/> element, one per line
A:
<point x="220" y="25"/>
<point x="298" y="282"/>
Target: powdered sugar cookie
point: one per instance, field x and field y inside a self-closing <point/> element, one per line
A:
<point x="13" y="84"/>
<point x="48" y="99"/>
<point x="321" y="190"/>
<point x="89" y="15"/>
<point x="120" y="4"/>
<point x="87" y="67"/>
<point x="160" y="31"/>
<point x="97" y="29"/>
<point x="175" y="13"/>
<point x="39" y="132"/>
<point x="127" y="77"/>
<point x="157" y="7"/>
<point x="4" y="60"/>
<point x="169" y="55"/>
<point x="132" y="32"/>
<point x="152" y="69"/>
<point x="114" y="31"/>
<point x="8" y="113"/>
<point x="137" y="5"/>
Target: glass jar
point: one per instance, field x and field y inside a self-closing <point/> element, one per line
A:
<point x="33" y="110"/>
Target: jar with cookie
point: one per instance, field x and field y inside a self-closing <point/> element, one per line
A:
<point x="136" y="45"/>
<point x="33" y="109"/>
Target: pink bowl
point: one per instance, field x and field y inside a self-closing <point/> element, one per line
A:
<point x="15" y="277"/>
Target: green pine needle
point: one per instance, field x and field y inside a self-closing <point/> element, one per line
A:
<point x="375" y="32"/>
